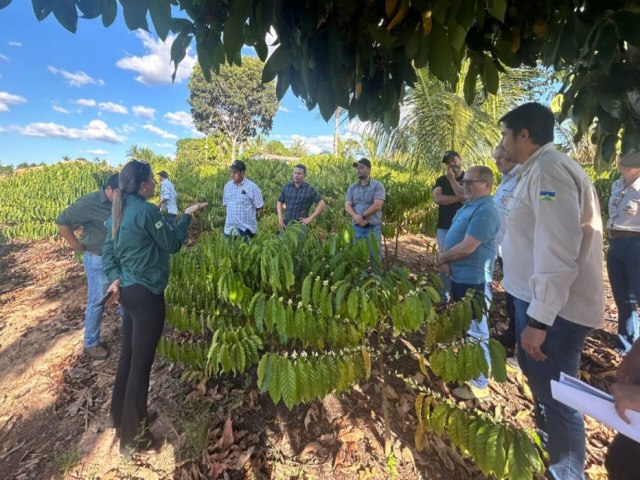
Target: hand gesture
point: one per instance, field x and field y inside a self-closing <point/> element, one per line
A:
<point x="195" y="207"/>
<point x="627" y="397"/>
<point x="531" y="341"/>
<point x="629" y="369"/>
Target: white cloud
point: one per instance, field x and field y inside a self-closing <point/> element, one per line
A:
<point x="75" y="79"/>
<point x="4" y="57"/>
<point x="113" y="107"/>
<point x="94" y="130"/>
<point x="60" y="109"/>
<point x="283" y="109"/>
<point x="317" y="144"/>
<point x="155" y="68"/>
<point x="166" y="145"/>
<point x="127" y="129"/>
<point x="85" y="102"/>
<point x="98" y="151"/>
<point x="158" y="131"/>
<point x="182" y="118"/>
<point x="7" y="99"/>
<point x="15" y="44"/>
<point x="144" y="112"/>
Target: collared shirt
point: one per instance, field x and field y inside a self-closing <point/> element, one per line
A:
<point x="479" y="219"/>
<point x="552" y="249"/>
<point x="89" y="212"/>
<point x="501" y="198"/>
<point x="241" y="200"/>
<point x="623" y="206"/>
<point x="139" y="255"/>
<point x="298" y="200"/>
<point x="362" y="197"/>
<point x="168" y="193"/>
<point x="447" y="212"/>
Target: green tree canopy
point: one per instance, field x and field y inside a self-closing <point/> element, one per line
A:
<point x="234" y="102"/>
<point x="360" y="54"/>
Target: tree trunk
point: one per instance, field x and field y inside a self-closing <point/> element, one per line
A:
<point x="336" y="132"/>
<point x="233" y="149"/>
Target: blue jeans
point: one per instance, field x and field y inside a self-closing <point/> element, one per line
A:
<point x="561" y="428"/>
<point x="445" y="295"/>
<point x="97" y="285"/>
<point x="363" y="232"/>
<point x="624" y="275"/>
<point x="477" y="330"/>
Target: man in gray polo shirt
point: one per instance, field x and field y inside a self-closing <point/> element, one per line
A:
<point x="90" y="212"/>
<point x="364" y="202"/>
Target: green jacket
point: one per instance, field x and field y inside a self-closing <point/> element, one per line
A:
<point x="140" y="252"/>
<point x="89" y="212"/>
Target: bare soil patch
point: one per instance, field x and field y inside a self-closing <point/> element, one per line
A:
<point x="54" y="401"/>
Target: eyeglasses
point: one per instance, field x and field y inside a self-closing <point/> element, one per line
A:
<point x="471" y="181"/>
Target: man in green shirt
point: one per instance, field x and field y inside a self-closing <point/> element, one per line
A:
<point x="90" y="212"/>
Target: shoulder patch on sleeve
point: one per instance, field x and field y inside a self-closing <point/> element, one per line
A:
<point x="159" y="224"/>
<point x="547" y="196"/>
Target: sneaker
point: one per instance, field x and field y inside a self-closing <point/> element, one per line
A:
<point x="469" y="392"/>
<point x="513" y="362"/>
<point x="99" y="352"/>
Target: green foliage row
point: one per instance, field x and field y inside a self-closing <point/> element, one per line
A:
<point x="31" y="200"/>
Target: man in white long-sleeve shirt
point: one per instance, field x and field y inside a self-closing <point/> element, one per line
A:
<point x="552" y="254"/>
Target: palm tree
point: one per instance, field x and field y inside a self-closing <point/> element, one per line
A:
<point x="435" y="117"/>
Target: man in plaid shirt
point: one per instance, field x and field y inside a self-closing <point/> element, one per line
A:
<point x="242" y="198"/>
<point x="298" y="196"/>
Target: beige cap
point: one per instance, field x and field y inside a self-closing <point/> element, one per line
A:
<point x="630" y="160"/>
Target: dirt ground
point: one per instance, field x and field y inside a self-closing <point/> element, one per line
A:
<point x="54" y="401"/>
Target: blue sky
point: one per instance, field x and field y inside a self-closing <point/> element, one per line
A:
<point x="98" y="92"/>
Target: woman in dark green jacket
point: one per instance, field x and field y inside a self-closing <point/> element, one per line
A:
<point x="136" y="260"/>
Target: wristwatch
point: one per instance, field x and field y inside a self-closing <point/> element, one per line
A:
<point x="533" y="323"/>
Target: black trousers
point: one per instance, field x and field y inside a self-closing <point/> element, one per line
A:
<point x="142" y="326"/>
<point x="623" y="458"/>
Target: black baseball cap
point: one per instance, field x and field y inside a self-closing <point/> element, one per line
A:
<point x="363" y="161"/>
<point x="450" y="154"/>
<point x="238" y="165"/>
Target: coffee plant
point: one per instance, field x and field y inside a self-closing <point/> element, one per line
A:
<point x="313" y="316"/>
<point x="30" y="200"/>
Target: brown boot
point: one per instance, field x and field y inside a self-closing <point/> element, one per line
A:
<point x="99" y="352"/>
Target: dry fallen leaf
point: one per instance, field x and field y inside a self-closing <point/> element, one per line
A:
<point x="311" y="449"/>
<point x="345" y="436"/>
<point x="227" y="433"/>
<point x="312" y="415"/>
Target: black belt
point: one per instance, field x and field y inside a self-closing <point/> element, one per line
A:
<point x="623" y="233"/>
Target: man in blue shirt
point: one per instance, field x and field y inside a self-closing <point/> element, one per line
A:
<point x="242" y="198"/>
<point x="470" y="251"/>
<point x="298" y="196"/>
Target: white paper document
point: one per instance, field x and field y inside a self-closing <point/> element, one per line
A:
<point x="595" y="403"/>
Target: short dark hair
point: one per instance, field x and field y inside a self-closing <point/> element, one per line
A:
<point x="536" y="118"/>
<point x="163" y="174"/>
<point x="301" y="167"/>
<point x="449" y="154"/>
<point x="111" y="182"/>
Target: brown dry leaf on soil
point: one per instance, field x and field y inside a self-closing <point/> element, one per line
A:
<point x="344" y="457"/>
<point x="312" y="415"/>
<point x="313" y="448"/>
<point x="347" y="436"/>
